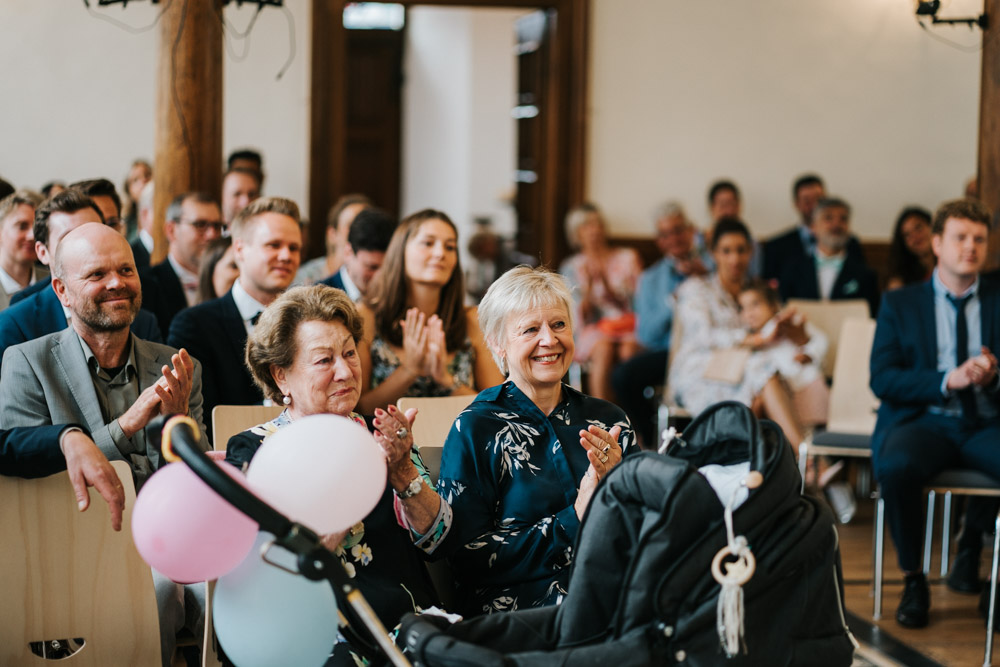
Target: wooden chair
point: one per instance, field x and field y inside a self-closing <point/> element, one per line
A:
<point x="851" y="418"/>
<point x="228" y="420"/>
<point x="828" y="317"/>
<point x="434" y="420"/>
<point x="67" y="575"/>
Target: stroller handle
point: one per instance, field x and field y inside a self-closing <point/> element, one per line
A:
<point x="177" y="438"/>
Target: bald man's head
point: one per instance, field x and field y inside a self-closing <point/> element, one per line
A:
<point x="94" y="276"/>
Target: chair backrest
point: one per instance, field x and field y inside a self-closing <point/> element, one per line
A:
<point x="852" y="403"/>
<point x="66" y="574"/>
<point x="434" y="420"/>
<point x="228" y="420"/>
<point x="828" y="317"/>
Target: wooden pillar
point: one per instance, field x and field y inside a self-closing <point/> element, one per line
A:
<point x="188" y="152"/>
<point x="989" y="124"/>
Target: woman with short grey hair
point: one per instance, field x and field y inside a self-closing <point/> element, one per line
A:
<point x="522" y="461"/>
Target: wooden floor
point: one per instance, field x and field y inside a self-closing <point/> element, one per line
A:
<point x="956" y="634"/>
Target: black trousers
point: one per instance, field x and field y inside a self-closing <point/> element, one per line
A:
<point x="912" y="454"/>
<point x="630" y="379"/>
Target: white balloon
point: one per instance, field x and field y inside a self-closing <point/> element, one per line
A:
<point x="323" y="471"/>
<point x="264" y="616"/>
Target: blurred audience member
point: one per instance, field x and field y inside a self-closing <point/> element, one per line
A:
<point x="138" y="175"/>
<point x="247" y="158"/>
<point x="637" y="380"/>
<point x="17" y="244"/>
<point x="104" y="194"/>
<point x="830" y="272"/>
<point x="338" y="224"/>
<point x="724" y="201"/>
<point x="911" y="258"/>
<point x="603" y="280"/>
<point x="218" y="270"/>
<point x="52" y="188"/>
<point x="193" y="221"/>
<point x="142" y="246"/>
<point x="367" y="242"/>
<point x="492" y="257"/>
<point x="239" y="188"/>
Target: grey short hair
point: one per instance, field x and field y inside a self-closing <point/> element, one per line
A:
<point x="831" y="202"/>
<point x="521" y="289"/>
<point x="575" y="219"/>
<point x="670" y="209"/>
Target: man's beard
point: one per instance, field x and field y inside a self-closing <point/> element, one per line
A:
<point x="98" y="318"/>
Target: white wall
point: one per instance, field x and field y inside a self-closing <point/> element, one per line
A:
<point x="459" y="141"/>
<point x="683" y="93"/>
<point x="79" y="92"/>
<point x="680" y="93"/>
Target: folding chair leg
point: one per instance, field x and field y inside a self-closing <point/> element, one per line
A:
<point x="803" y="463"/>
<point x="988" y="659"/>
<point x="879" y="551"/>
<point x="945" y="533"/>
<point x="929" y="532"/>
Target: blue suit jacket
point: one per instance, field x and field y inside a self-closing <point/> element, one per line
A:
<point x="162" y="294"/>
<point x="41" y="314"/>
<point x="213" y="333"/>
<point x="903" y="364"/>
<point x="31" y="451"/>
<point x="334" y="281"/>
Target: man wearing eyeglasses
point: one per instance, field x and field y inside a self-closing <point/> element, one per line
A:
<point x="193" y="221"/>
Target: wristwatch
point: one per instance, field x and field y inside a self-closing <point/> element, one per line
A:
<point x="412" y="489"/>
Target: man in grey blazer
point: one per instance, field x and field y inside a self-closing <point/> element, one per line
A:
<point x="98" y="374"/>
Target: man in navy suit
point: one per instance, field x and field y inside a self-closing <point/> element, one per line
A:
<point x="933" y="368"/>
<point x="37" y="451"/>
<point x="193" y="221"/>
<point x="367" y="242"/>
<point x="267" y="241"/>
<point x="41" y="313"/>
<point x="830" y="271"/>
<point x="798" y="242"/>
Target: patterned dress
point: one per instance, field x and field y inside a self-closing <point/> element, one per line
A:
<point x="385" y="362"/>
<point x="511" y="475"/>
<point x="623" y="271"/>
<point x="379" y="550"/>
<point x="710" y="320"/>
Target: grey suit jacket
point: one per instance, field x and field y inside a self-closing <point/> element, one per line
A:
<point x="47" y="381"/>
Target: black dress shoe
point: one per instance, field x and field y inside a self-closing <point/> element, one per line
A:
<point x="964" y="576"/>
<point x="912" y="610"/>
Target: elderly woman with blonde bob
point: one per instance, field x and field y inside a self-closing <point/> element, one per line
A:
<point x="522" y="461"/>
<point x="303" y="354"/>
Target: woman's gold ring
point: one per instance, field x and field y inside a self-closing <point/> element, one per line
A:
<point x="402" y="432"/>
<point x="604" y="457"/>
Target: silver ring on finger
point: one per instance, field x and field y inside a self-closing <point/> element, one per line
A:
<point x="607" y="448"/>
<point x="402" y="432"/>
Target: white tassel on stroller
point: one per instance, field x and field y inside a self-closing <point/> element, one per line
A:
<point x="729" y="611"/>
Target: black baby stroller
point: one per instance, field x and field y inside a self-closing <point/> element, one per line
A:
<point x="641" y="592"/>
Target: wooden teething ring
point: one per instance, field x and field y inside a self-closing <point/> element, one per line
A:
<point x="747" y="570"/>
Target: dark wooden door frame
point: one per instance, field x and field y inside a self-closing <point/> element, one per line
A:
<point x="564" y="174"/>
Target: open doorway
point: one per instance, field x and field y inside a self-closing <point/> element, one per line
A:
<point x="353" y="129"/>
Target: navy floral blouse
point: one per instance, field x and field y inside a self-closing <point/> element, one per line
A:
<point x="511" y="475"/>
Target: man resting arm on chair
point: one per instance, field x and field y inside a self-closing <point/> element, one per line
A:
<point x="45" y="450"/>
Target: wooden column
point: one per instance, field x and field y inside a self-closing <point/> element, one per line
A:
<point x="188" y="153"/>
<point x="989" y="125"/>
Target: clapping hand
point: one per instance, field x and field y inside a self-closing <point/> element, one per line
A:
<point x="414" y="341"/>
<point x="979" y="370"/>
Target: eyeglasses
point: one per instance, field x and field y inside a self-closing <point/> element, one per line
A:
<point x="202" y="225"/>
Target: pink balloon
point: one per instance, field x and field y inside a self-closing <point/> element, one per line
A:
<point x="185" y="530"/>
<point x="324" y="471"/>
